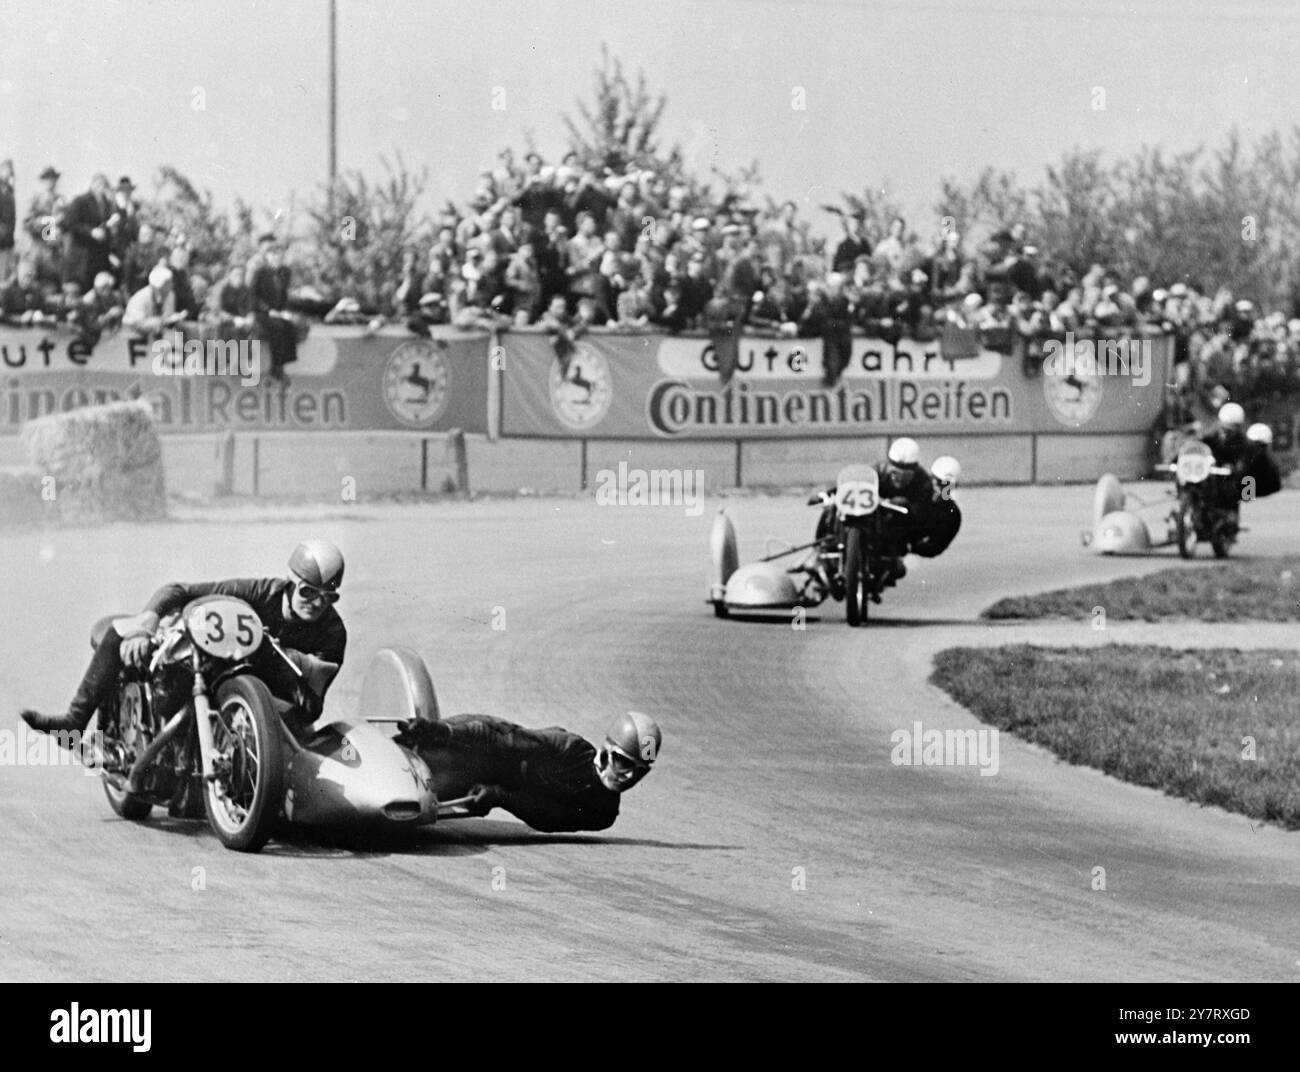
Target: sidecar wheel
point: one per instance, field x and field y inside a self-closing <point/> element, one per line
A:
<point x="243" y="802"/>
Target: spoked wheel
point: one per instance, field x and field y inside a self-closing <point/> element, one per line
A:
<point x="856" y="596"/>
<point x="1185" y="519"/>
<point x="243" y="799"/>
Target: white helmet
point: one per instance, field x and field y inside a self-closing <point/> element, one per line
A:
<point x="1232" y="415"/>
<point x="946" y="470"/>
<point x="1260" y="433"/>
<point x="904" y="451"/>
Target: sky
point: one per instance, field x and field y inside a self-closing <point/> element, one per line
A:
<point x="897" y="94"/>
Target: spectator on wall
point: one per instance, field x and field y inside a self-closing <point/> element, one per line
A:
<point x="152" y="309"/>
<point x="274" y="323"/>
<point x="22" y="299"/>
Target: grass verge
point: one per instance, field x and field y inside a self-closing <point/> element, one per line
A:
<point x="1186" y="722"/>
<point x="1267" y="590"/>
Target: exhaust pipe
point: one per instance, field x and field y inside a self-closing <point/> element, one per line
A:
<point x="160" y="742"/>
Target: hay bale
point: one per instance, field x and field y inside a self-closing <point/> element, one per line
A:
<point x="20" y="496"/>
<point x="106" y="462"/>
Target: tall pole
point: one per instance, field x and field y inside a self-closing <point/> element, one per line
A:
<point x="334" y="117"/>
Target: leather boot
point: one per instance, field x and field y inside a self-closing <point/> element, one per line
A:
<point x="96" y="685"/>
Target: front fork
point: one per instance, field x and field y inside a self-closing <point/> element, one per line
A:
<point x="203" y="715"/>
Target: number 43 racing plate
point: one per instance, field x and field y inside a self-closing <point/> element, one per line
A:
<point x="1193" y="466"/>
<point x="224" y="626"/>
<point x="857" y="491"/>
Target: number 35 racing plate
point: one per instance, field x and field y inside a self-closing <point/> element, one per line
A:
<point x="225" y="627"/>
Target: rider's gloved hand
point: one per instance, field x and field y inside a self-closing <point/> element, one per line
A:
<point x="422" y="733"/>
<point x="483" y="798"/>
<point x="135" y="651"/>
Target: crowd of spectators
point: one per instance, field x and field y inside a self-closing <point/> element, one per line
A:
<point x="93" y="264"/>
<point x="566" y="249"/>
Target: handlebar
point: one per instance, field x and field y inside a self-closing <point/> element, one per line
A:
<point x="1214" y="470"/>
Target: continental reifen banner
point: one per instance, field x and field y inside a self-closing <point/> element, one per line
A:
<point x="642" y="386"/>
<point x="344" y="380"/>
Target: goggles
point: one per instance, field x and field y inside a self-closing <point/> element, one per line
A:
<point x="623" y="765"/>
<point x="309" y="593"/>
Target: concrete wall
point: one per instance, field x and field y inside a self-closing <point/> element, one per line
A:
<point x="319" y="465"/>
<point x="1077" y="458"/>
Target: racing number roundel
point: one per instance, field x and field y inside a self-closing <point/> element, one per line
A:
<point x="226" y="628"/>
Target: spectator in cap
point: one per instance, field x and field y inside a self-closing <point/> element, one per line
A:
<point x="42" y="226"/>
<point x="8" y="221"/>
<point x="100" y="309"/>
<point x="696" y="289"/>
<point x="152" y="309"/>
<point x="88" y="244"/>
<point x="123" y="225"/>
<point x="264" y="242"/>
<point x="1241" y="321"/>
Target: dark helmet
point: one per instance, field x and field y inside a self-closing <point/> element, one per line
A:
<point x="631" y="746"/>
<point x="319" y="563"/>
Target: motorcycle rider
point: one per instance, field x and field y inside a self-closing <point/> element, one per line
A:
<point x="552" y="779"/>
<point x="1260" y="465"/>
<point x="938" y="521"/>
<point x="902" y="482"/>
<point x="298" y="611"/>
<point x="1230" y="447"/>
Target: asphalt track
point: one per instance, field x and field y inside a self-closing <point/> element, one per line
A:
<point x="776" y="757"/>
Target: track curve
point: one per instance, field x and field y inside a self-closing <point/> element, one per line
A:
<point x="775" y="773"/>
